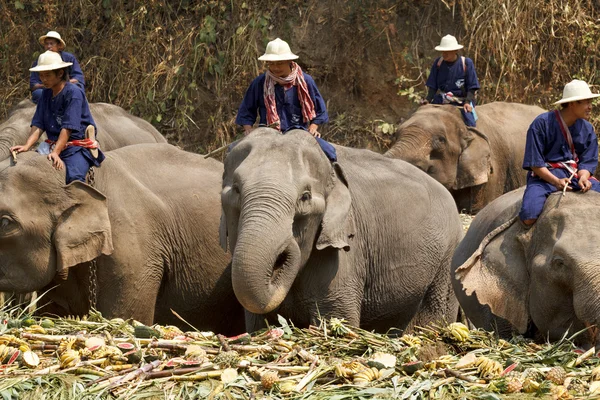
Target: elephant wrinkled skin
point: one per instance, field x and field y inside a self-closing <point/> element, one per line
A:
<point x="475" y="164"/>
<point x="151" y="221"/>
<point x="369" y="239"/>
<point x="542" y="282"/>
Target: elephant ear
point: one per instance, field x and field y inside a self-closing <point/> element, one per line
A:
<point x="338" y="216"/>
<point x="83" y="230"/>
<point x="497" y="274"/>
<point x="474" y="161"/>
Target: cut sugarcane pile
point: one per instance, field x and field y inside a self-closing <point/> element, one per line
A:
<point x="114" y="358"/>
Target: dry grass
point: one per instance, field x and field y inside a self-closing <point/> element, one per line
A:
<point x="185" y="65"/>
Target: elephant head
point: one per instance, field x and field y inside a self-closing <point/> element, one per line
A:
<point x="548" y="275"/>
<point x="281" y="200"/>
<point x="46" y="227"/>
<point x="436" y="140"/>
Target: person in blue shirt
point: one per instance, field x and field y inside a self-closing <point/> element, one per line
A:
<point x="64" y="114"/>
<point x="561" y="151"/>
<point x="452" y="79"/>
<point x="53" y="42"/>
<point x="284" y="97"/>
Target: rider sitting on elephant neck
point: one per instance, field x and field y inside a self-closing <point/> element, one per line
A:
<point x="561" y="151"/>
<point x="284" y="97"/>
<point x="52" y="41"/>
<point x="64" y="114"/>
<point x="452" y="80"/>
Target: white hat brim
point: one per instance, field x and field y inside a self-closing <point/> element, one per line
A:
<point x="278" y="57"/>
<point x="440" y="48"/>
<point x="50" y="67"/>
<point x="42" y="38"/>
<point x="577" y="98"/>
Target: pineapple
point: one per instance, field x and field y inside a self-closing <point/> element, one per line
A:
<point x="227" y="358"/>
<point x="576" y="386"/>
<point x="269" y="379"/>
<point x="513" y="385"/>
<point x="557" y="375"/>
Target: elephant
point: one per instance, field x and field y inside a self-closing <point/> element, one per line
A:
<point x="149" y="223"/>
<point x="541" y="282"/>
<point x="475" y="164"/>
<point x="367" y="239"/>
<point x="116" y="128"/>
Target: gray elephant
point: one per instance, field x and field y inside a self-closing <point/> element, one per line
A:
<point x="150" y="222"/>
<point x="475" y="164"/>
<point x="542" y="281"/>
<point x="369" y="239"/>
<point x="116" y="127"/>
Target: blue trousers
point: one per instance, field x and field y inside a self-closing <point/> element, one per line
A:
<point x="78" y="162"/>
<point x="468" y="117"/>
<point x="538" y="190"/>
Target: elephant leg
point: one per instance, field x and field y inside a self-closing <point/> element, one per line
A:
<point x="439" y="303"/>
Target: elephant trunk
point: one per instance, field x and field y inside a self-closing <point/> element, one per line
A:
<point x="266" y="258"/>
<point x="585" y="295"/>
<point x="412" y="147"/>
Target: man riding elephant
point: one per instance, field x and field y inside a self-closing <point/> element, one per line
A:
<point x="475" y="164"/>
<point x="561" y="152"/>
<point x="453" y="80"/>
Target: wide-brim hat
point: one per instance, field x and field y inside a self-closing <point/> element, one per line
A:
<point x="53" y="35"/>
<point x="49" y="61"/>
<point x="449" y="43"/>
<point x="278" y="50"/>
<point x="576" y="90"/>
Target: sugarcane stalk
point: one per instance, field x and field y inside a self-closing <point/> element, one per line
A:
<point x="198" y="377"/>
<point x="107" y="377"/>
<point x="177" y="371"/>
<point x="44" y="347"/>
<point x="223" y="341"/>
<point x="51" y="338"/>
<point x="86" y="371"/>
<point x="248" y="348"/>
<point x="288" y="369"/>
<point x="585" y="356"/>
<point x="115" y="381"/>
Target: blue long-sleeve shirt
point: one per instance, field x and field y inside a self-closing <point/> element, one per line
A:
<point x="69" y="109"/>
<point x="74" y="70"/>
<point x="288" y="105"/>
<point x="452" y="77"/>
<point x="546" y="143"/>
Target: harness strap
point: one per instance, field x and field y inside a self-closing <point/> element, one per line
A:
<point x="85" y="143"/>
<point x="462" y="58"/>
<point x="566" y="134"/>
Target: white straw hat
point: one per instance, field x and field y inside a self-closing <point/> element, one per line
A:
<point x="53" y="35"/>
<point x="48" y="61"/>
<point x="278" y="50"/>
<point x="576" y="90"/>
<point x="449" y="43"/>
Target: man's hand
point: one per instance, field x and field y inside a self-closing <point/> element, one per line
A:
<point x="584" y="180"/>
<point x="561" y="183"/>
<point x="247" y="129"/>
<point x="313" y="130"/>
<point x="20" y="149"/>
<point x="73" y="81"/>
<point x="468" y="107"/>
<point x="423" y="102"/>
<point x="56" y="161"/>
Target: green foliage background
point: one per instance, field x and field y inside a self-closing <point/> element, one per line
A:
<point x="184" y="65"/>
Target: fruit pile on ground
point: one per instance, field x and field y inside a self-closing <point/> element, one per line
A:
<point x="100" y="358"/>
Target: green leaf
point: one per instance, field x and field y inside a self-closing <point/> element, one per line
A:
<point x="284" y="324"/>
<point x="159" y="118"/>
<point x="19" y="5"/>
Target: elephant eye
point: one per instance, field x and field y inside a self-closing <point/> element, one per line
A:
<point x="5" y="221"/>
<point x="7" y="225"/>
<point x="306" y="196"/>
